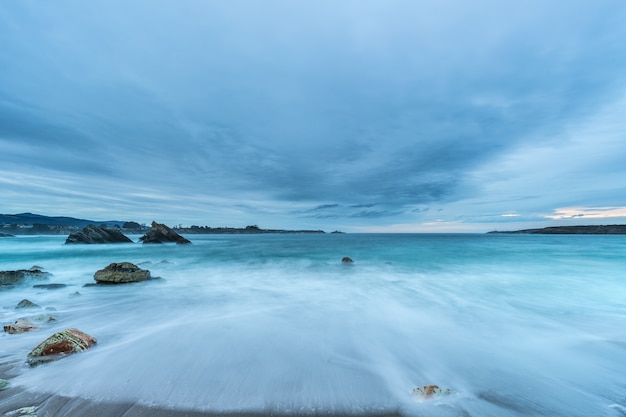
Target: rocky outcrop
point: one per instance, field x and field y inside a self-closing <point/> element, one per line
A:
<point x="60" y="344"/>
<point x="346" y="260"/>
<point x="160" y="233"/>
<point x="14" y="277"/>
<point x="96" y="234"/>
<point x="20" y="326"/>
<point x="121" y="273"/>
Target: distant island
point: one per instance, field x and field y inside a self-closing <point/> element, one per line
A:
<point x="37" y="224"/>
<point x="614" y="229"/>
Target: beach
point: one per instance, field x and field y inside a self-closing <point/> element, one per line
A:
<point x="252" y="325"/>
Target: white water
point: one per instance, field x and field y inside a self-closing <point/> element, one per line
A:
<point x="515" y="325"/>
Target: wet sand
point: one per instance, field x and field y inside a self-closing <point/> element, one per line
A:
<point x="17" y="401"/>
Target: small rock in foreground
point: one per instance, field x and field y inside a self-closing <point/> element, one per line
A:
<point x="23" y="412"/>
<point x="59" y="345"/>
<point x="121" y="273"/>
<point x="26" y="304"/>
<point x="20" y="326"/>
<point x="4" y="384"/>
<point x="429" y="392"/>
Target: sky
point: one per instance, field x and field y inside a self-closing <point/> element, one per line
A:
<point x="352" y="115"/>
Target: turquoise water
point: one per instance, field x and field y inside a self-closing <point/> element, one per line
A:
<point x="515" y="325"/>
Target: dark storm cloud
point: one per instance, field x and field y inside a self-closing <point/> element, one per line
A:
<point x="321" y="105"/>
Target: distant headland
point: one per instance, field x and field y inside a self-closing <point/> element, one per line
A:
<point x="37" y="224"/>
<point x="614" y="229"/>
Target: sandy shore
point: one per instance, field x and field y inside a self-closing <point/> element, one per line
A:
<point x="19" y="402"/>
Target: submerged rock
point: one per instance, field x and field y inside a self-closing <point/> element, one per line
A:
<point x="14" y="277"/>
<point x="22" y="412"/>
<point x="59" y="345"/>
<point x="346" y="260"/>
<point x="160" y="233"/>
<point x="25" y="303"/>
<point x="20" y="326"/>
<point x="4" y="384"/>
<point x="40" y="318"/>
<point x="121" y="273"/>
<point x="429" y="392"/>
<point x="50" y="286"/>
<point x="96" y="234"/>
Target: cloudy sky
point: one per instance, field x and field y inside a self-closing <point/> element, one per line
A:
<point x="358" y="115"/>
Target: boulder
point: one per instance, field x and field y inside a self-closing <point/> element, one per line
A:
<point x="160" y="233"/>
<point x="25" y="303"/>
<point x="346" y="260"/>
<point x="14" y="277"/>
<point x="20" y="326"/>
<point x="121" y="273"/>
<point x="96" y="234"/>
<point x="59" y="345"/>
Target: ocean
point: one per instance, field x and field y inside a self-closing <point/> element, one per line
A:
<point x="513" y="325"/>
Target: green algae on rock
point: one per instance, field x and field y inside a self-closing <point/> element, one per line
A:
<point x="59" y="345"/>
<point x="121" y="273"/>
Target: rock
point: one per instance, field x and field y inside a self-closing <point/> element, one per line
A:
<point x="346" y="260"/>
<point x="4" y="384"/>
<point x="59" y="345"/>
<point x="20" y="326"/>
<point x="429" y="392"/>
<point x="22" y="412"/>
<point x="50" y="286"/>
<point x="120" y="273"/>
<point x="40" y="318"/>
<point x="14" y="277"/>
<point x="96" y="234"/>
<point x="160" y="233"/>
<point x="26" y="304"/>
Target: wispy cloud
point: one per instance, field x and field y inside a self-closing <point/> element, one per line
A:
<point x="587" y="213"/>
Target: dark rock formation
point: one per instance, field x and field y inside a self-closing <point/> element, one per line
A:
<point x="59" y="345"/>
<point x="20" y="326"/>
<point x="97" y="234"/>
<point x="14" y="277"/>
<point x="121" y="273"/>
<point x="50" y="286"/>
<point x="160" y="233"/>
<point x="346" y="260"/>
